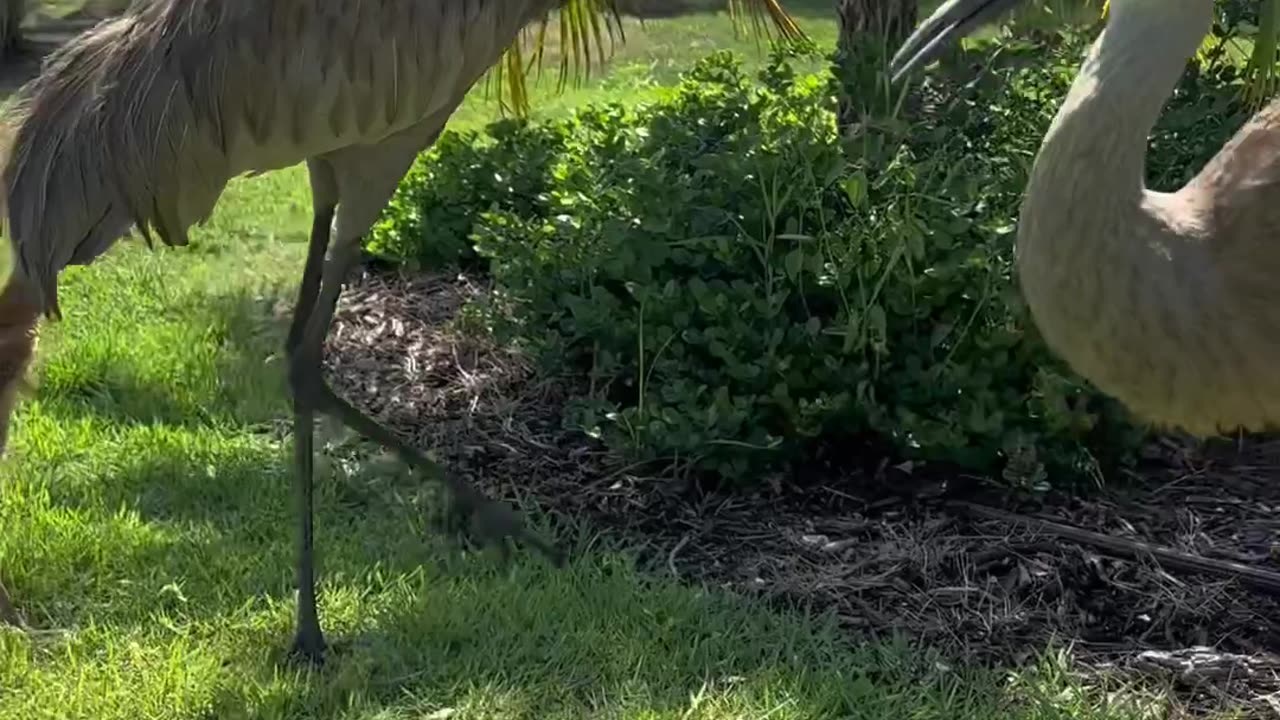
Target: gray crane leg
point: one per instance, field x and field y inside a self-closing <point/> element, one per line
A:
<point x="493" y="522"/>
<point x="362" y="180"/>
<point x="308" y="641"/>
<point x="324" y="197"/>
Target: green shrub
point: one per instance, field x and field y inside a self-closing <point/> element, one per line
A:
<point x="742" y="286"/>
<point x="430" y="219"/>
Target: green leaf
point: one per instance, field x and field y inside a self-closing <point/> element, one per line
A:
<point x="877" y="320"/>
<point x="855" y="188"/>
<point x="794" y="263"/>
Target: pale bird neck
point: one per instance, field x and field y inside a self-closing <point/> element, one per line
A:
<point x="1100" y="132"/>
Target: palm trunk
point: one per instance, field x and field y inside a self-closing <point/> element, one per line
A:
<point x="890" y="19"/>
<point x="869" y="32"/>
<point x="11" y="15"/>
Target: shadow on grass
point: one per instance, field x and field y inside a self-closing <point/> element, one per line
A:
<point x="201" y="566"/>
<point x="178" y="540"/>
<point x="592" y="640"/>
<point x="195" y="575"/>
<point x="236" y="376"/>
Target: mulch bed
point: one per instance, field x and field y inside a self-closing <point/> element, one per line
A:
<point x="979" y="590"/>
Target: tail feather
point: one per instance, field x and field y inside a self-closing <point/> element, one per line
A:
<point x="93" y="145"/>
<point x="57" y="192"/>
<point x="105" y="138"/>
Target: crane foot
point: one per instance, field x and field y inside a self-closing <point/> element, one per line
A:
<point x="308" y="647"/>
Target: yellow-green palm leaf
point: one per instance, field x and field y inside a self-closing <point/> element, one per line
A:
<point x="586" y="27"/>
<point x="1260" y="73"/>
<point x="1261" y="78"/>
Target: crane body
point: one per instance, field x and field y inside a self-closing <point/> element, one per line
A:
<point x="1167" y="301"/>
<point x="144" y="119"/>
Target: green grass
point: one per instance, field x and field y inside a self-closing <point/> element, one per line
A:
<point x="147" y="513"/>
<point x="653" y="55"/>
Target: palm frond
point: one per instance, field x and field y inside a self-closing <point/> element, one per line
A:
<point x="1260" y="72"/>
<point x="1261" y="79"/>
<point x="586" y="27"/>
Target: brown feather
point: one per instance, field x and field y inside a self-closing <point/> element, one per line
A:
<point x="142" y="120"/>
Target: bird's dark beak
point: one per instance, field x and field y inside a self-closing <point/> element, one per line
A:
<point x="952" y="21"/>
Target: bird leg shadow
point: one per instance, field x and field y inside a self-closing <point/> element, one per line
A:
<point x="492" y="522"/>
<point x="8" y="613"/>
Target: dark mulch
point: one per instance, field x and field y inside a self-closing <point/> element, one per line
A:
<point x="980" y="590"/>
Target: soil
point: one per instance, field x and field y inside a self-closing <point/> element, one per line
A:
<point x="978" y="590"/>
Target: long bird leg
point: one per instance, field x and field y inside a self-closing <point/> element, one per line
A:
<point x="308" y="642"/>
<point x="494" y="522"/>
<point x="362" y="180"/>
<point x="19" y="316"/>
<point x="324" y="200"/>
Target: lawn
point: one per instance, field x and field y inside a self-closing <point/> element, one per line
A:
<point x="147" y="529"/>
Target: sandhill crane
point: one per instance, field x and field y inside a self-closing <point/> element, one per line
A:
<point x="1169" y="302"/>
<point x="142" y="120"/>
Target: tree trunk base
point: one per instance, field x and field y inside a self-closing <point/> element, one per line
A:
<point x="12" y="13"/>
<point x="870" y="32"/>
